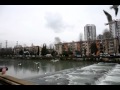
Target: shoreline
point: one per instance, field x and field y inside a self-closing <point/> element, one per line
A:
<point x="64" y="59"/>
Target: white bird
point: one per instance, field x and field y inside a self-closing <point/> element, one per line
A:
<point x="109" y="17"/>
<point x="54" y="60"/>
<point x="38" y="67"/>
<point x="19" y="64"/>
<point x="36" y="62"/>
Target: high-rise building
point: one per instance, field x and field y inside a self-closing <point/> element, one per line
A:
<point x="90" y="32"/>
<point x="115" y="28"/>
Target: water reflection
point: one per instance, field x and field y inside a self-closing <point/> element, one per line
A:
<point x="30" y="68"/>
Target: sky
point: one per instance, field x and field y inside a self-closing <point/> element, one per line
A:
<point x="39" y="24"/>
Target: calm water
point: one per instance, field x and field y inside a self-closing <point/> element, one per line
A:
<point x="32" y="68"/>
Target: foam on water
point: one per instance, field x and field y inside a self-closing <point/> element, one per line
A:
<point x="96" y="74"/>
<point x="108" y="79"/>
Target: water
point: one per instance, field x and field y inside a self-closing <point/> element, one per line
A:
<point x="95" y="74"/>
<point x="33" y="68"/>
<point x="43" y="72"/>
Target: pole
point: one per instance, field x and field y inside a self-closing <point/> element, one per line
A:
<point x="0" y="45"/>
<point x="17" y="43"/>
<point x="6" y="43"/>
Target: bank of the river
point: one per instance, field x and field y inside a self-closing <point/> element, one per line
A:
<point x="112" y="60"/>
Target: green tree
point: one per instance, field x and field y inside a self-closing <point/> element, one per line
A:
<point x="38" y="50"/>
<point x="21" y="52"/>
<point x="65" y="53"/>
<point x="44" y="50"/>
<point x="69" y="51"/>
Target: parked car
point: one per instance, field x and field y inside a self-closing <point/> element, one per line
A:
<point x="118" y="54"/>
<point x="78" y="56"/>
<point x="112" y="54"/>
<point x="104" y="54"/>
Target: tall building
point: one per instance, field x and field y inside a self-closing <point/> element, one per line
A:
<point x="90" y="32"/>
<point x="115" y="28"/>
<point x="115" y="31"/>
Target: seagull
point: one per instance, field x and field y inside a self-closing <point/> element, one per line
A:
<point x="115" y="7"/>
<point x="19" y="64"/>
<point x="54" y="60"/>
<point x="109" y="17"/>
<point x="36" y="62"/>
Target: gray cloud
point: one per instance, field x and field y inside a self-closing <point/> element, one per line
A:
<point x="57" y="40"/>
<point x="29" y="23"/>
<point x="55" y="22"/>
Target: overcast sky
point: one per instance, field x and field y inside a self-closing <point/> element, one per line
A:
<point x="40" y="24"/>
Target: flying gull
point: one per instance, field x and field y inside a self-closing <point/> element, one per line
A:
<point x="109" y="17"/>
<point x="115" y="7"/>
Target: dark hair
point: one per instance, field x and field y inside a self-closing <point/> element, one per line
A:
<point x="2" y="68"/>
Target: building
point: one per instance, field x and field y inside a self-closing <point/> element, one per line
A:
<point x="108" y="45"/>
<point x="115" y="31"/>
<point x="17" y="49"/>
<point x="90" y="32"/>
<point x="115" y="28"/>
<point x="36" y="50"/>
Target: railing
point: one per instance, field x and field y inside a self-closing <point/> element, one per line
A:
<point x="9" y="80"/>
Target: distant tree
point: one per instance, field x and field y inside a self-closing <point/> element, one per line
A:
<point x="21" y="52"/>
<point x="77" y="52"/>
<point x="85" y="52"/>
<point x="119" y="49"/>
<point x="44" y="50"/>
<point x="65" y="53"/>
<point x="54" y="53"/>
<point x="69" y="51"/>
<point x="31" y="53"/>
<point x="38" y="50"/>
<point x="107" y="34"/>
<point x="93" y="48"/>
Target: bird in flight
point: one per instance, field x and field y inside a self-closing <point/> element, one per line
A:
<point x="115" y="7"/>
<point x="109" y="17"/>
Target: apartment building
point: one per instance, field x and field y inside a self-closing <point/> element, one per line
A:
<point x="90" y="32"/>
